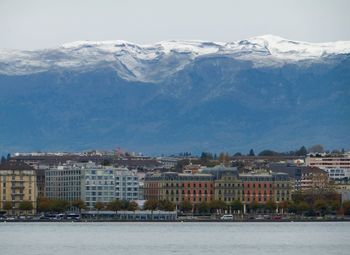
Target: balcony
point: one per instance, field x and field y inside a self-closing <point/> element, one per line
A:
<point x="18" y="186"/>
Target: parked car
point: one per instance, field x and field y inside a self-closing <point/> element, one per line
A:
<point x="72" y="216"/>
<point x="276" y="217"/>
<point x="227" y="217"/>
<point x="259" y="217"/>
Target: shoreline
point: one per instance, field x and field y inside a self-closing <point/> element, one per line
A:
<point x="174" y="221"/>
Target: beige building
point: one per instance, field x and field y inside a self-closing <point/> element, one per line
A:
<point x="313" y="178"/>
<point x="18" y="188"/>
<point x="229" y="187"/>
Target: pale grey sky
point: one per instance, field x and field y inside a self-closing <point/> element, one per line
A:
<point x="33" y="24"/>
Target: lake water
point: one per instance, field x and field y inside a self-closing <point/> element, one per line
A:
<point x="175" y="238"/>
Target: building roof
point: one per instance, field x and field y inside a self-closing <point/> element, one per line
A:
<point x="9" y="165"/>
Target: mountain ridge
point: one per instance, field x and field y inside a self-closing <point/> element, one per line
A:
<point x="175" y="102"/>
<point x="137" y="62"/>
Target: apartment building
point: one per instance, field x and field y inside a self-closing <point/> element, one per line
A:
<point x="126" y="184"/>
<point x="65" y="181"/>
<point x="17" y="185"/>
<point x="261" y="187"/>
<point x="91" y="183"/>
<point x="98" y="185"/>
<point x="179" y="187"/>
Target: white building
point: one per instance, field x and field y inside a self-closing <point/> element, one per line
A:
<point x="126" y="184"/>
<point x="337" y="167"/>
<point x="98" y="186"/>
<point x="91" y="183"/>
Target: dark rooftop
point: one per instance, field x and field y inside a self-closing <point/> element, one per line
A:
<point x="15" y="166"/>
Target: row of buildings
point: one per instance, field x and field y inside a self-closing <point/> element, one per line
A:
<point x="94" y="178"/>
<point x="71" y="181"/>
<point x="228" y="185"/>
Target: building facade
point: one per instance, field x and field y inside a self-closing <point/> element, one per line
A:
<point x="313" y="178"/>
<point x="98" y="185"/>
<point x="126" y="184"/>
<point x="178" y="187"/>
<point x="337" y="167"/>
<point x="91" y="183"/>
<point x="229" y="187"/>
<point x="264" y="187"/>
<point x="17" y="185"/>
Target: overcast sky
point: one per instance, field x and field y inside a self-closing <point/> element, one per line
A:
<point x="33" y="24"/>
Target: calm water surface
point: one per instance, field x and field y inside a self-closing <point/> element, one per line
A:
<point x="174" y="238"/>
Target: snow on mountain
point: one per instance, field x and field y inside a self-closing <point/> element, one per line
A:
<point x="153" y="63"/>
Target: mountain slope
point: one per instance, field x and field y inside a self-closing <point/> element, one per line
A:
<point x="264" y="92"/>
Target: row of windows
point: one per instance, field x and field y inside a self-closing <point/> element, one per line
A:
<point x="129" y="194"/>
<point x="99" y="183"/>
<point x="100" y="188"/>
<point x="194" y="199"/>
<point x="128" y="189"/>
<point x="188" y="192"/>
<point x="238" y="192"/>
<point x="229" y="185"/>
<point x="94" y="194"/>
<point x="199" y="185"/>
<point x="265" y="199"/>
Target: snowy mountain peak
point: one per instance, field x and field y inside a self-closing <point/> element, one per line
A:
<point x="298" y="50"/>
<point x="153" y="63"/>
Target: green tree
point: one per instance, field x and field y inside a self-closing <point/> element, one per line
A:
<point x="150" y="205"/>
<point x="237" y="205"/>
<point x="58" y="205"/>
<point x="206" y="156"/>
<point x="133" y="206"/>
<point x="44" y="204"/>
<point x="166" y="205"/>
<point x="317" y="148"/>
<point x="253" y="206"/>
<point x="79" y="204"/>
<point x="251" y="153"/>
<point x="25" y="206"/>
<point x="287" y="206"/>
<point x="203" y="207"/>
<point x="321" y="206"/>
<point x="270" y="206"/>
<point x="99" y="206"/>
<point x="224" y="158"/>
<point x="301" y="152"/>
<point x="302" y="207"/>
<point x="186" y="206"/>
<point x="268" y="153"/>
<point x="7" y="206"/>
<point x="115" y="205"/>
<point x="334" y="205"/>
<point x="217" y="205"/>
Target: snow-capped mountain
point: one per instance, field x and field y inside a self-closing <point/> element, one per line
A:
<point x="154" y="63"/>
<point x="265" y="92"/>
